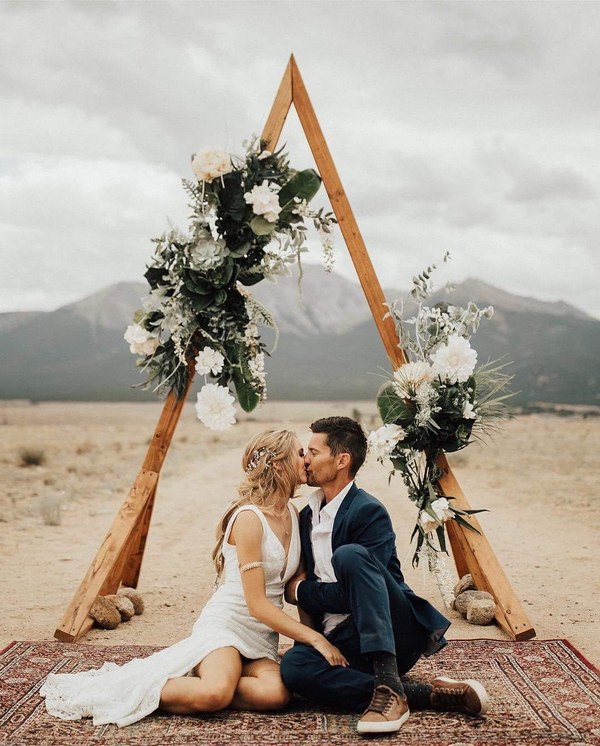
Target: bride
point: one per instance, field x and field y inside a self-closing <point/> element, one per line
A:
<point x="230" y="659"/>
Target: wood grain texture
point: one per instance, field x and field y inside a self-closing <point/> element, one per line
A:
<point x="103" y="575"/>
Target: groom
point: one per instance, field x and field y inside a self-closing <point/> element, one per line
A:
<point x="355" y="590"/>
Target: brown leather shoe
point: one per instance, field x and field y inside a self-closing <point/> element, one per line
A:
<point x="467" y="695"/>
<point x="386" y="713"/>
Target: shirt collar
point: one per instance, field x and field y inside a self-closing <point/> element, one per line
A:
<point x="315" y="500"/>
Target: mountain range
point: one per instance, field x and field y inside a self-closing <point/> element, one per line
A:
<point x="328" y="348"/>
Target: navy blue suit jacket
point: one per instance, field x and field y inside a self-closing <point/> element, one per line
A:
<point x="362" y="519"/>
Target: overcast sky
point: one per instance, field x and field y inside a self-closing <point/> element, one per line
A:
<point x="472" y="127"/>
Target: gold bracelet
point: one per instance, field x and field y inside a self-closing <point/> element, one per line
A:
<point x="250" y="566"/>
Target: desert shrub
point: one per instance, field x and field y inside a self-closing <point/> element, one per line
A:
<point x="31" y="456"/>
<point x="50" y="511"/>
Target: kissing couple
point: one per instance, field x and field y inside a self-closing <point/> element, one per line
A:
<point x="361" y="627"/>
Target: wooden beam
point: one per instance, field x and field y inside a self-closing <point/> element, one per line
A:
<point x="279" y="111"/>
<point x="346" y="220"/>
<point x="466" y="552"/>
<point x="121" y="553"/>
<point x="476" y="552"/>
<point x="100" y="576"/>
<point x="133" y="565"/>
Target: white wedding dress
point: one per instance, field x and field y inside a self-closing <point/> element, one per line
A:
<point x="127" y="693"/>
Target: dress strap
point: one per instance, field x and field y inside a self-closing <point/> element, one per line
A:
<point x="254" y="509"/>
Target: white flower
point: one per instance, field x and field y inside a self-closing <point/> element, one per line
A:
<point x="277" y="258"/>
<point x="454" y="361"/>
<point x="214" y="407"/>
<point x="427" y="522"/>
<point x="468" y="412"/>
<point x="382" y="441"/>
<point x="411" y="377"/>
<point x="264" y="201"/>
<point x="141" y="342"/>
<point x="441" y="507"/>
<point x="442" y="511"/>
<point x="211" y="163"/>
<point x="208" y="253"/>
<point x="209" y="361"/>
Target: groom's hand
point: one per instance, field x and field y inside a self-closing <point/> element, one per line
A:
<point x="290" y="587"/>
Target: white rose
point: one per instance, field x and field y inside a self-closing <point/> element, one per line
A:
<point x="264" y="201"/>
<point x="381" y="442"/>
<point x="428" y="524"/>
<point x="441" y="507"/>
<point x="454" y="361"/>
<point x="411" y="377"/>
<point x="468" y="412"/>
<point x="209" y="361"/>
<point x="214" y="407"/>
<point x="141" y="342"/>
<point x="211" y="163"/>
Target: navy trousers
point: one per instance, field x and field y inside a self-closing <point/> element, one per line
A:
<point x="381" y="619"/>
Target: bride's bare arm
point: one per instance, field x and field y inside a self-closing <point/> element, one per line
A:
<point x="247" y="534"/>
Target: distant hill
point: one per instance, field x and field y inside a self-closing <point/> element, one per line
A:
<point x="329" y="347"/>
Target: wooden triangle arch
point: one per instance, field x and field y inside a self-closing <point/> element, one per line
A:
<point x="119" y="559"/>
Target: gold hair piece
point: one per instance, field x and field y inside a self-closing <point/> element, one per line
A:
<point x="250" y="566"/>
<point x="256" y="457"/>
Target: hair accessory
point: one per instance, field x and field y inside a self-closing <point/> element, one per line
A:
<point x="256" y="457"/>
<point x="250" y="566"/>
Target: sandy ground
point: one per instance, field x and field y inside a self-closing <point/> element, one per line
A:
<point x="539" y="480"/>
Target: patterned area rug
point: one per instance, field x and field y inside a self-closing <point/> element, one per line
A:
<point x="543" y="694"/>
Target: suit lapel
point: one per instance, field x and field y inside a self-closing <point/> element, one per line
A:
<point x="305" y="540"/>
<point x="337" y="535"/>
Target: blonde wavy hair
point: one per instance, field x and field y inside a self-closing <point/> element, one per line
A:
<point x="263" y="484"/>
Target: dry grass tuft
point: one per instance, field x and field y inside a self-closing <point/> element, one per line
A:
<point x="31" y="456"/>
<point x="50" y="510"/>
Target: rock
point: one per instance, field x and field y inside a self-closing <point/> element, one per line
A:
<point x="462" y="601"/>
<point x="135" y="598"/>
<point x="123" y="605"/>
<point x="481" y="611"/>
<point x="464" y="584"/>
<point x="105" y="613"/>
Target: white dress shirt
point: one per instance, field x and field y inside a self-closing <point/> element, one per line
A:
<point x="322" y="528"/>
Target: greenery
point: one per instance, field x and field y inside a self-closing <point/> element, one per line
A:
<point x="247" y="223"/>
<point x="438" y="402"/>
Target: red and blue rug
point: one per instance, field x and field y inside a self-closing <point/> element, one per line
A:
<point x="543" y="693"/>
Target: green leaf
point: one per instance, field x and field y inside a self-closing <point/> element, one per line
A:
<point x="466" y="524"/>
<point x="391" y="407"/>
<point x="246" y="395"/>
<point x="241" y="250"/>
<point x="260" y="226"/>
<point x="304" y="185"/>
<point x="441" y="538"/>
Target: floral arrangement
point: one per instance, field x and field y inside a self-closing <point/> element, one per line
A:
<point x="247" y="224"/>
<point x="438" y="402"/>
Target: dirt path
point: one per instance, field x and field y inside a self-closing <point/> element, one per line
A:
<point x="543" y="521"/>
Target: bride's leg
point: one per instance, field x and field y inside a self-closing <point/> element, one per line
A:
<point x="212" y="688"/>
<point x="260" y="687"/>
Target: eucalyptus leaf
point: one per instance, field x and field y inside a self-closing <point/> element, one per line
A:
<point x="261" y="227"/>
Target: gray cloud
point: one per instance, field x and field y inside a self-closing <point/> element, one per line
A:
<point x="454" y="125"/>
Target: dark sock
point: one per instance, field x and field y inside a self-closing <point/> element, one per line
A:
<point x="418" y="695"/>
<point x="386" y="671"/>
